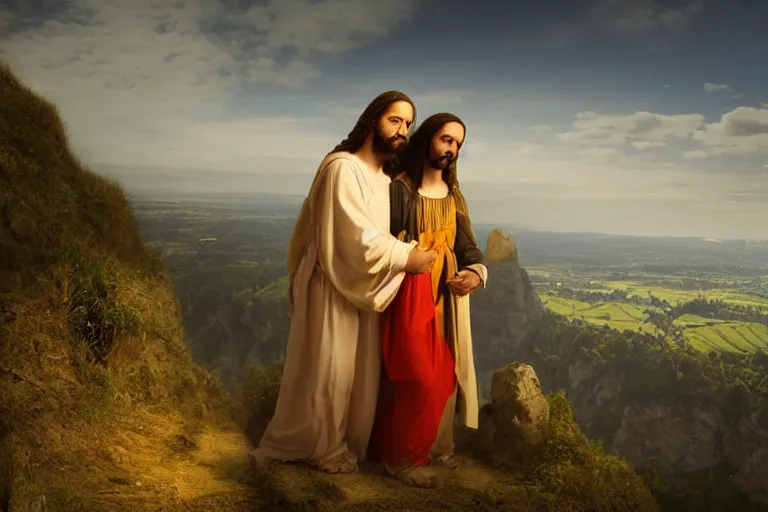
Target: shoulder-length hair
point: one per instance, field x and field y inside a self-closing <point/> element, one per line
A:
<point x="417" y="152"/>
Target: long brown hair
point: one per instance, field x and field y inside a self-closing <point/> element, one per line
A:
<point x="417" y="152"/>
<point x="369" y="119"/>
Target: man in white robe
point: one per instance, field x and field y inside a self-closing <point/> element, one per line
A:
<point x="344" y="268"/>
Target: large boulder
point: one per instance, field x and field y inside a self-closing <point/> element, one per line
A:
<point x="515" y="424"/>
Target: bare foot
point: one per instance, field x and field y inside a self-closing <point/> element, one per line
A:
<point x="416" y="476"/>
<point x="451" y="461"/>
<point x="344" y="463"/>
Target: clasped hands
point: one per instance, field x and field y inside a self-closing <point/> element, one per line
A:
<point x="421" y="259"/>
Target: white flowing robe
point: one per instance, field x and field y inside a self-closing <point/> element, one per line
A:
<point x="348" y="269"/>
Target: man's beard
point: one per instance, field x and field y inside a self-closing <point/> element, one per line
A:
<point x="441" y="161"/>
<point x="391" y="147"/>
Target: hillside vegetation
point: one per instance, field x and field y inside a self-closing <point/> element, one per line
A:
<point x="101" y="406"/>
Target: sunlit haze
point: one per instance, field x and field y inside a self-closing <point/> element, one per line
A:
<point x="641" y="117"/>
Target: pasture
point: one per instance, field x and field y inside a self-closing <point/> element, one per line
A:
<point x="706" y="334"/>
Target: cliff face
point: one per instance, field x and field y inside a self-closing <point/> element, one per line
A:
<point x="686" y="443"/>
<point x="506" y="314"/>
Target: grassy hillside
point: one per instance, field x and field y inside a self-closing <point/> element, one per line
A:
<point x="101" y="406"/>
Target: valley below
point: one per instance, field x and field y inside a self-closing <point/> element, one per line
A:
<point x="660" y="344"/>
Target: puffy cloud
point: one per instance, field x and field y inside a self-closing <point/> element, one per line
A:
<point x="642" y="128"/>
<point x="742" y="131"/>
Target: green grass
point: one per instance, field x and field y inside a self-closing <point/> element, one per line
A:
<point x="705" y="334"/>
<point x="695" y="321"/>
<point x="727" y="295"/>
<point x="734" y="337"/>
<point x="619" y="316"/>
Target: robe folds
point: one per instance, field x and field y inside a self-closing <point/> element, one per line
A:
<point x="345" y="268"/>
<point x="428" y="357"/>
<point x="418" y="377"/>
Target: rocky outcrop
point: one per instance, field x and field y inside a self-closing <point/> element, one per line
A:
<point x="515" y="423"/>
<point x="506" y="314"/>
<point x="500" y="246"/>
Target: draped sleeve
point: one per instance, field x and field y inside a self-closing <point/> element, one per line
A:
<point x="468" y="254"/>
<point x="364" y="263"/>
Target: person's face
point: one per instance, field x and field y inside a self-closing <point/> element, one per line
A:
<point x="391" y="135"/>
<point x="445" y="145"/>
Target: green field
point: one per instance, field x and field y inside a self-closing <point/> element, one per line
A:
<point x="617" y="315"/>
<point x="729" y="337"/>
<point x="727" y="295"/>
<point x="703" y="333"/>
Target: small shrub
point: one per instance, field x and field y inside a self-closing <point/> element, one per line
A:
<point x="94" y="318"/>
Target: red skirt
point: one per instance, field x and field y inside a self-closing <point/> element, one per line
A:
<point x="418" y="377"/>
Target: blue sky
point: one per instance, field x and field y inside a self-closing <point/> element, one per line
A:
<point x="620" y="116"/>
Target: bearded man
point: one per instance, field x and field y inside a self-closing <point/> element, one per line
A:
<point x="344" y="268"/>
<point x="426" y="337"/>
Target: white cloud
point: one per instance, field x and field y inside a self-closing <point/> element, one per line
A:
<point x="710" y="87"/>
<point x="742" y="131"/>
<point x="141" y="82"/>
<point x="591" y="128"/>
